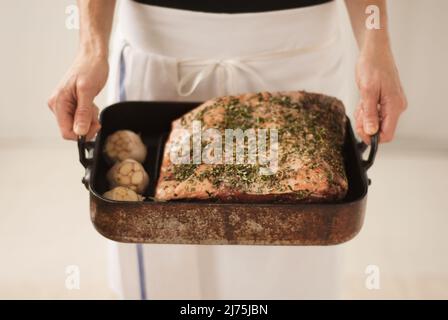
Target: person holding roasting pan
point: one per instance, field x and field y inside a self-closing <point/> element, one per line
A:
<point x="196" y="50"/>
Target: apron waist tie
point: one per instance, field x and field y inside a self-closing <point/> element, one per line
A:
<point x="187" y="84"/>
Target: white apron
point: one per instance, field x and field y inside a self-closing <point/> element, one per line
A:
<point x="178" y="55"/>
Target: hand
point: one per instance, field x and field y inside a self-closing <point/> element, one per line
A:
<point x="382" y="97"/>
<point x="72" y="102"/>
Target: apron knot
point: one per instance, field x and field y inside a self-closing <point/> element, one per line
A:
<point x="202" y="69"/>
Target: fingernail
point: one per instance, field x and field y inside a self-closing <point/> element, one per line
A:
<point x="370" y="128"/>
<point x="78" y="129"/>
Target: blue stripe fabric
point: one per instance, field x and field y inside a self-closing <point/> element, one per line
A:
<point x="139" y="247"/>
<point x="122" y="90"/>
<point x="141" y="271"/>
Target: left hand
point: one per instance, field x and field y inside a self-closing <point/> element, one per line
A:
<point x="382" y="97"/>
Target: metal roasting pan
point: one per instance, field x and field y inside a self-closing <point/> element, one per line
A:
<point x="211" y="222"/>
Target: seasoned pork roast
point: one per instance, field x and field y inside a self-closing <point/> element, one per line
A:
<point x="305" y="166"/>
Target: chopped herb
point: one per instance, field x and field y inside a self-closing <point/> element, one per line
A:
<point x="184" y="171"/>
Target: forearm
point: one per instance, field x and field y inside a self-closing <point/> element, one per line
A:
<point x="96" y="18"/>
<point x="382" y="99"/>
<point x="368" y="39"/>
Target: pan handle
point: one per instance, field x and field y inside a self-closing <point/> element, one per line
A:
<point x="373" y="149"/>
<point x="84" y="149"/>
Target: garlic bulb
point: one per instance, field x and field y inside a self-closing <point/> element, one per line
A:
<point x="125" y="144"/>
<point x="122" y="194"/>
<point x="130" y="174"/>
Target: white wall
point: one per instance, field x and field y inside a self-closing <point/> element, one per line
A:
<point x="419" y="31"/>
<point x="37" y="48"/>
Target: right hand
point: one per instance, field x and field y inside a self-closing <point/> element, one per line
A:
<point x="72" y="101"/>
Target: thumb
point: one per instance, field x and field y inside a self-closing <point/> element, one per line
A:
<point x="369" y="101"/>
<point x="83" y="114"/>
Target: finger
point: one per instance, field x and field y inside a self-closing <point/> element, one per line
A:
<point x="361" y="134"/>
<point x="96" y="112"/>
<point x="370" y="116"/>
<point x="84" y="112"/>
<point x="388" y="126"/>
<point x="369" y="104"/>
<point x="358" y="121"/>
<point x="64" y="112"/>
<point x="52" y="102"/>
<point x="364" y="136"/>
<point x="53" y="98"/>
<point x="359" y="127"/>
<point x="95" y="126"/>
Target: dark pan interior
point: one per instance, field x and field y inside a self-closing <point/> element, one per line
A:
<point x="152" y="120"/>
